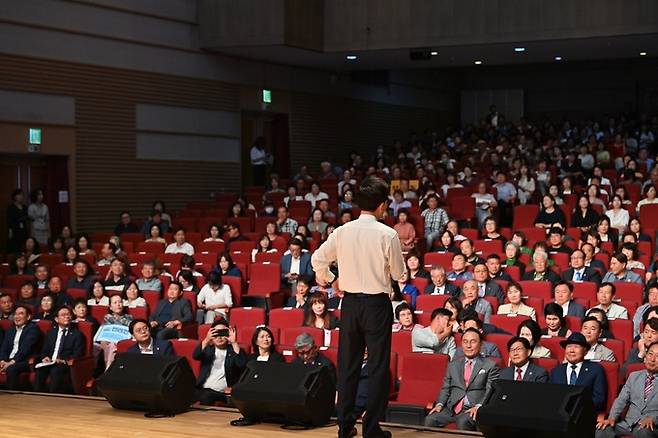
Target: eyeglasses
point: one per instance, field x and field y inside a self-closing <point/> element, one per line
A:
<point x="141" y="329"/>
<point x="517" y="350"/>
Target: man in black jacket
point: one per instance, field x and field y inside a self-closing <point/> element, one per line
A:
<point x="309" y="354"/>
<point x="14" y="356"/>
<point x="145" y="344"/>
<point x="63" y="343"/>
<point x="171" y="313"/>
<point x="222" y="361"/>
<point x="578" y="272"/>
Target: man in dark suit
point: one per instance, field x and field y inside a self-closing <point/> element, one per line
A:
<point x="522" y="368"/>
<point x="486" y="286"/>
<point x="578" y="371"/>
<point x="302" y="294"/>
<point x="579" y="272"/>
<point x="465" y="386"/>
<point x="295" y="264"/>
<point x="563" y="293"/>
<point x="493" y="266"/>
<point x="541" y="272"/>
<point x="18" y="346"/>
<point x="309" y="354"/>
<point x="139" y="328"/>
<point x="590" y="261"/>
<point x="171" y="313"/>
<point x="222" y="361"/>
<point x="63" y="342"/>
<point x="440" y="284"/>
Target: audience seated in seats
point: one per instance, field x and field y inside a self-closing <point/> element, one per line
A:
<point x="398" y="203"/>
<point x="439" y="284"/>
<point x="156" y="219"/>
<point x="309" y="354"/>
<point x="581" y="372"/>
<point x="490" y="230"/>
<point x="63" y="342"/>
<point x="516" y="306"/>
<point x="446" y="243"/>
<point x="632" y="254"/>
<point x="563" y="293"/>
<point x="406" y="231"/>
<point x="414" y="268"/>
<point x="453" y="227"/>
<point x="295" y="264"/>
<point x="459" y="271"/>
<point x="125" y="224"/>
<point x="46" y="307"/>
<point x="116" y="278"/>
<point x="18" y="346"/>
<point x="603" y="319"/>
<point x="97" y="296"/>
<point x="41" y="276"/>
<point x="468" y="250"/>
<point x="71" y="255"/>
<point x="555" y="321"/>
<point x="214" y="299"/>
<point x="436" y="219"/>
<point x="604" y="297"/>
<point x="84" y="246"/>
<point x="262" y="345"/>
<point x="301" y="299"/>
<point x="619" y="273"/>
<point x="264" y="247"/>
<point x="172" y="312"/>
<point x="214" y="234"/>
<point x="186" y="279"/>
<point x="148" y="279"/>
<point x="55" y="287"/>
<point x="471" y="301"/>
<point x="6" y="306"/>
<point x="132" y="296"/>
<point x="485" y="285"/>
<point x="27" y="295"/>
<point x="651" y="297"/>
<point x="466" y="384"/>
<point x="323" y="287"/>
<point x="407" y="288"/>
<point x="550" y="215"/>
<point x="180" y="246"/>
<point x="556" y="242"/>
<point x="541" y="271"/>
<point x="108" y="253"/>
<point x="485" y="203"/>
<point x="155" y="234"/>
<point x="81" y="314"/>
<point x="283" y="221"/>
<point x="315" y="194"/>
<point x="292" y="195"/>
<point x="471" y="321"/>
<point x="637" y="398"/>
<point x="619" y="217"/>
<point x="648" y="336"/>
<point x="226" y="266"/>
<point x="222" y="361"/>
<point x="454" y="305"/>
<point x="437" y="337"/>
<point x="530" y="330"/>
<point x="82" y="275"/>
<point x="20" y="266"/>
<point x="590" y="251"/>
<point x="494" y="268"/>
<point x="139" y="329"/>
<point x="521" y="366"/>
<point x="318" y="315"/>
<point x="404" y="318"/>
<point x="118" y="316"/>
<point x="316" y="223"/>
<point x="591" y="329"/>
<point x="584" y="216"/>
<point x="578" y="272"/>
<point x="187" y="263"/>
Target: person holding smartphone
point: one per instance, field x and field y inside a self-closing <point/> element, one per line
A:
<point x="222" y="361"/>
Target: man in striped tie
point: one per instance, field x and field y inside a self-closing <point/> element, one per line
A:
<point x="639" y="395"/>
<point x="465" y="386"/>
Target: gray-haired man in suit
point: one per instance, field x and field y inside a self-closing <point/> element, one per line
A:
<point x="522" y="368"/>
<point x="639" y="395"/>
<point x="465" y="386"/>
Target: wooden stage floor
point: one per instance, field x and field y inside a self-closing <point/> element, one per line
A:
<point x="36" y="415"/>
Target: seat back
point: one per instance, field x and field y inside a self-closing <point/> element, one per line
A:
<point x="401" y="342"/>
<point x="265" y="278"/>
<point x="288" y="335"/>
<point x="539" y="289"/>
<point x="185" y="348"/>
<point x="247" y="317"/>
<point x="286" y="317"/>
<point x="427" y="303"/>
<point x="419" y="387"/>
<point x="622" y="329"/>
<point x="508" y="323"/>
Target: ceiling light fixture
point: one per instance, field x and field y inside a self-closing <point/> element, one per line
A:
<point x="519" y="49"/>
<point x="643" y="53"/>
<point x="478" y="62"/>
<point x="351" y="57"/>
<point x="558" y="58"/>
<point x="434" y="53"/>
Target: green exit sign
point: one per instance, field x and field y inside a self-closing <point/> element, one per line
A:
<point x="35" y="135"/>
<point x="267" y="96"/>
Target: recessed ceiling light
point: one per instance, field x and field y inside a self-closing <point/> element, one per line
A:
<point x="351" y="57"/>
<point x="519" y="49"/>
<point x="643" y="53"/>
<point x="558" y="58"/>
<point x="478" y="62"/>
<point x="434" y="53"/>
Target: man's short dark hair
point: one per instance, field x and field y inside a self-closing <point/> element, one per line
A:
<point x="472" y="316"/>
<point x="28" y="311"/>
<point x="472" y="330"/>
<point x="556" y="230"/>
<point x="621" y="257"/>
<point x="60" y="308"/>
<point x="440" y="312"/>
<point x="515" y="339"/>
<point x="219" y="321"/>
<point x="177" y="283"/>
<point x="653" y="323"/>
<point x="179" y="229"/>
<point x="296" y="242"/>
<point x="493" y="257"/>
<point x="592" y="318"/>
<point x="564" y="283"/>
<point x="134" y="322"/>
<point x="112" y="246"/>
<point x="372" y="192"/>
<point x="645" y="315"/>
<point x="612" y="287"/>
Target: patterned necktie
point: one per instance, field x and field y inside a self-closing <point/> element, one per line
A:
<point x="579" y="276"/>
<point x="648" y="386"/>
<point x="468" y="370"/>
<point x="574" y="376"/>
<point x="519" y="377"/>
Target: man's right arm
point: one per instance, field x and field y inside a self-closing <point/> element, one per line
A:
<point x="396" y="260"/>
<point x="622" y="400"/>
<point x="323" y="257"/>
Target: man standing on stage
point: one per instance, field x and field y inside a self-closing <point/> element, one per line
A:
<point x="369" y="254"/>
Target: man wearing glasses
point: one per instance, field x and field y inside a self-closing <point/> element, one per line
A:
<point x="139" y="328"/>
<point x="309" y="354"/>
<point x="578" y="272"/>
<point x="521" y="367"/>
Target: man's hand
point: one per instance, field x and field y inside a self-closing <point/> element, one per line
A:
<point x="300" y="299"/>
<point x="602" y="424"/>
<point x="473" y="412"/>
<point x="232" y="335"/>
<point x="647" y="423"/>
<point x="436" y="409"/>
<point x="154" y="324"/>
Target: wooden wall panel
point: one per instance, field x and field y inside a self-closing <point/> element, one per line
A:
<point x="107" y="176"/>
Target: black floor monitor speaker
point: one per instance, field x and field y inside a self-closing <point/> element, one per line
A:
<point x="285" y="393"/>
<point x="528" y="409"/>
<point x="154" y="384"/>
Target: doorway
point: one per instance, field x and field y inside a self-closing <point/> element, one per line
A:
<point x="274" y="129"/>
<point x="27" y="173"/>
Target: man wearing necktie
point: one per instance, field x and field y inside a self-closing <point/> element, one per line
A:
<point x="465" y="386"/>
<point x="639" y="396"/>
<point x="578" y="272"/>
<point x="63" y="343"/>
<point x="521" y="367"/>
<point x="578" y="371"/>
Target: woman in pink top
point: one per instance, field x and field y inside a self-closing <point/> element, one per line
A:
<point x="405" y="230"/>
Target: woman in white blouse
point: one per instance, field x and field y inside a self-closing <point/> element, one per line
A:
<point x="131" y="297"/>
<point x="526" y="185"/>
<point x="516" y="305"/>
<point x="98" y="295"/>
<point x="485" y="203"/>
<point x="214" y="299"/>
<point x="650" y="197"/>
<point x="618" y="216"/>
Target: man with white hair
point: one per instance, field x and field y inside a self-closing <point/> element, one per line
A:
<point x="309" y="354"/>
<point x="541" y="271"/>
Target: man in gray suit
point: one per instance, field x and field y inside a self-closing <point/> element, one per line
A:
<point x="639" y="395"/>
<point x="522" y="368"/>
<point x="465" y="386"/>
